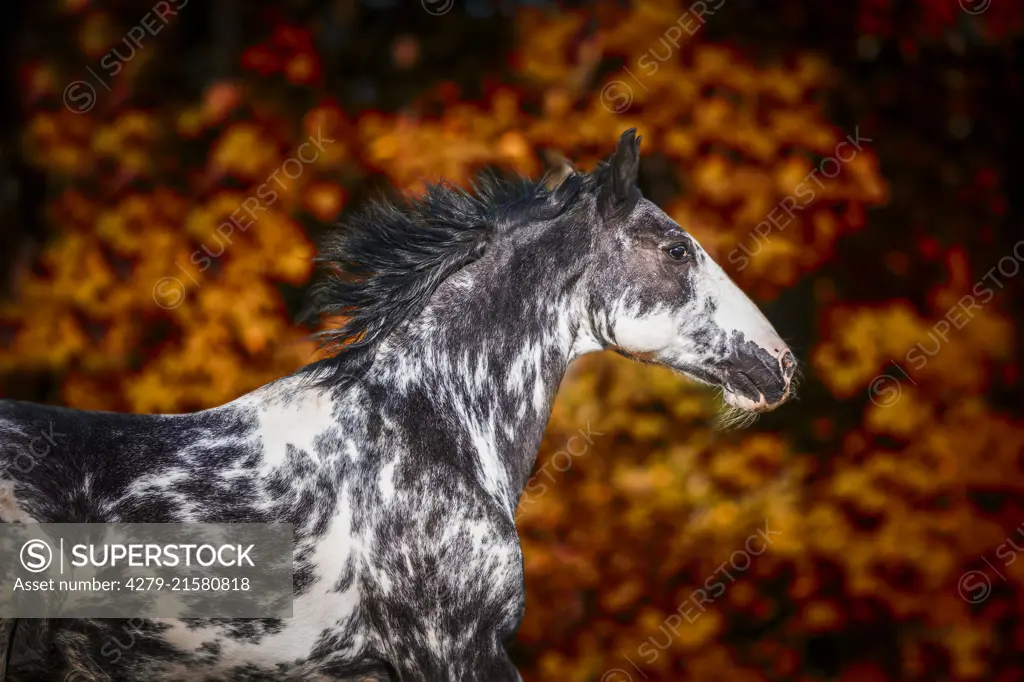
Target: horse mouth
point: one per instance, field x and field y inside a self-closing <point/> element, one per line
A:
<point x="744" y="394"/>
<point x="739" y="390"/>
<point x="742" y="402"/>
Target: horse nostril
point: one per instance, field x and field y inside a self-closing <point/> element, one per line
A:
<point x="788" y="363"/>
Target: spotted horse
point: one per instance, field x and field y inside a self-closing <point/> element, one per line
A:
<point x="400" y="459"/>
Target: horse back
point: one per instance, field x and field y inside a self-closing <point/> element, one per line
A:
<point x="74" y="466"/>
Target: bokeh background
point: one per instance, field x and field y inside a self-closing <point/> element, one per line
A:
<point x="871" y="531"/>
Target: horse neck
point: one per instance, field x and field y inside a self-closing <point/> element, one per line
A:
<point x="490" y="355"/>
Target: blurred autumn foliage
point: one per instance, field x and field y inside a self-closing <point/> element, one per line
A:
<point x="126" y="293"/>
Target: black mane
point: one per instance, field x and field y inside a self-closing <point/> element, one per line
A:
<point x="381" y="266"/>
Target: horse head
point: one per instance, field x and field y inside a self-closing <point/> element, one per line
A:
<point x="653" y="292"/>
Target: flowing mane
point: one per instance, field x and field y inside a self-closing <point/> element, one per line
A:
<point x="381" y="265"/>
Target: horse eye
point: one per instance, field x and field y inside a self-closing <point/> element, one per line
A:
<point x="678" y="251"/>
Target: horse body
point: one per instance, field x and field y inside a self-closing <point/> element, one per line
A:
<point x="401" y="463"/>
<point x="402" y="505"/>
<point x="402" y="487"/>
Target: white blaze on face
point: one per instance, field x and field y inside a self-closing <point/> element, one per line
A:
<point x="717" y="335"/>
<point x="755" y="364"/>
<point x="734" y="311"/>
<point x="672" y="330"/>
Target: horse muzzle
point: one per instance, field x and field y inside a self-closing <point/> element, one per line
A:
<point x="759" y="381"/>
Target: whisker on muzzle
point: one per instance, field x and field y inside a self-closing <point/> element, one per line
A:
<point x="732" y="418"/>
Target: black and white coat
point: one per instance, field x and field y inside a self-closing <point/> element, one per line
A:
<point x="400" y="461"/>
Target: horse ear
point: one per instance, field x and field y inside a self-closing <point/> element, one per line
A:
<point x="560" y="169"/>
<point x="625" y="165"/>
